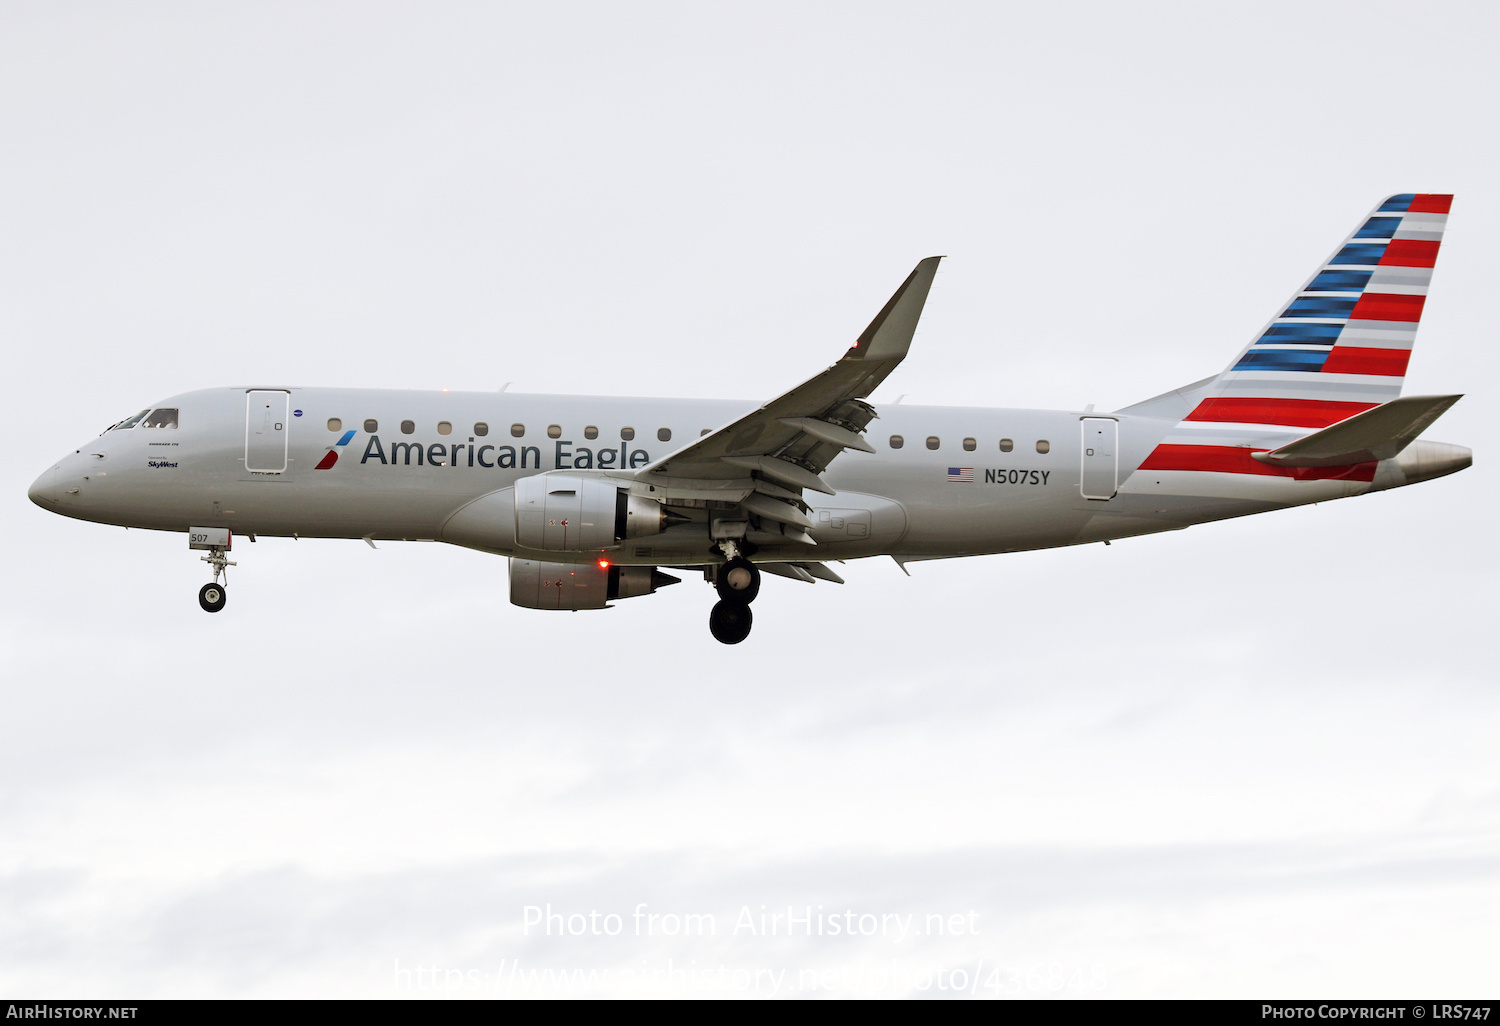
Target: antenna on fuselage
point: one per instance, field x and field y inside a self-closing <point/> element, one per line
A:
<point x="506" y="385"/>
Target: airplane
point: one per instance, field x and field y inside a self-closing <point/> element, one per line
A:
<point x="590" y="498"/>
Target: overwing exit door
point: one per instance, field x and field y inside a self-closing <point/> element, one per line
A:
<point x="1101" y="466"/>
<point x="266" y="431"/>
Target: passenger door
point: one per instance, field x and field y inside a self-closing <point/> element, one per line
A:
<point x="1099" y="478"/>
<point x="266" y="431"/>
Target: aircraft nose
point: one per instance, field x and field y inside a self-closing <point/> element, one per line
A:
<point x="43" y="490"/>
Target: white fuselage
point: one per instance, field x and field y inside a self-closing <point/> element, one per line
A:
<point x="961" y="481"/>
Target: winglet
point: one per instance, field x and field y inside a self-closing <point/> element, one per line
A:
<point x="889" y="335"/>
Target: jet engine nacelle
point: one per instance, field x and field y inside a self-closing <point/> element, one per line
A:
<point x="538" y="585"/>
<point x="566" y="513"/>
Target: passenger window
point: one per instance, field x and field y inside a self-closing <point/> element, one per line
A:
<point x="130" y="422"/>
<point x="664" y="434"/>
<point x="445" y="428"/>
<point x="897" y="441"/>
<point x="970" y="445"/>
<point x="334" y="424"/>
<point x="162" y="419"/>
<point x="518" y="430"/>
<point x="628" y="434"/>
<point x="932" y="442"/>
<point x="372" y="426"/>
<point x="554" y="431"/>
<point x="1043" y="446"/>
<point x="1006" y="445"/>
<point x="407" y="427"/>
<point x="591" y="432"/>
<point x="481" y="429"/>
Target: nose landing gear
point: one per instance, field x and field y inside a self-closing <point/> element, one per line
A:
<point x="212" y="597"/>
<point x="217" y="541"/>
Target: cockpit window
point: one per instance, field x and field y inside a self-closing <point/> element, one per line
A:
<point x="164" y="418"/>
<point x="130" y="422"/>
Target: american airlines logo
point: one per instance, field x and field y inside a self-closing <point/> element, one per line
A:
<point x="332" y="456"/>
<point x="564" y="455"/>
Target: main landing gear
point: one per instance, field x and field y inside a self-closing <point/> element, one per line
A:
<point x="730" y="621"/>
<point x="737" y="582"/>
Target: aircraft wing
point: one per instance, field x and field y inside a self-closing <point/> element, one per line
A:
<point x="762" y="461"/>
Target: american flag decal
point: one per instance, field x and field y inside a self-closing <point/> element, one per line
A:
<point x="961" y="475"/>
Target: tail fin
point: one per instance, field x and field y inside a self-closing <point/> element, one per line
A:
<point x="1341" y="344"/>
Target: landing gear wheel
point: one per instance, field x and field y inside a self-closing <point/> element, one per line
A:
<point x="212" y="597"/>
<point x="730" y="622"/>
<point x="738" y="581"/>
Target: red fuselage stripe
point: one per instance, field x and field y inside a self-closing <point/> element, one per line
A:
<point x="1231" y="459"/>
<point x="1315" y="413"/>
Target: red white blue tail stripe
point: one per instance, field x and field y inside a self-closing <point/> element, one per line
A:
<point x="1338" y="347"/>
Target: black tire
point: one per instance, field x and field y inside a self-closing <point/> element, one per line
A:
<point x="212" y="597"/>
<point x="730" y="622"/>
<point x="738" y="581"/>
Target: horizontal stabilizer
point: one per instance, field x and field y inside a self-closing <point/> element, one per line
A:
<point x="1376" y="434"/>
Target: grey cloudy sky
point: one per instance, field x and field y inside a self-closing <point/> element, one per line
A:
<point x="1253" y="758"/>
